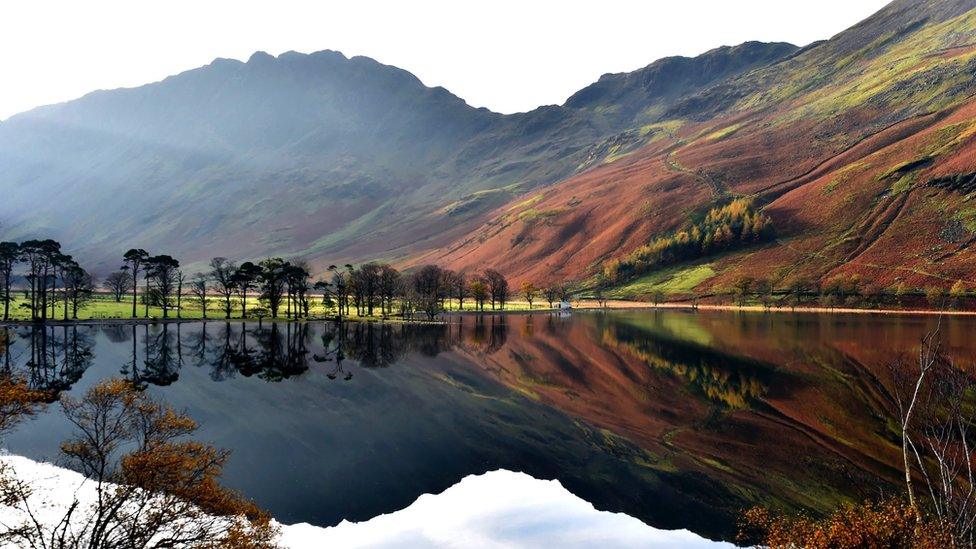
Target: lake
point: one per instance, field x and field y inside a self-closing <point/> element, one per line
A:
<point x="680" y="419"/>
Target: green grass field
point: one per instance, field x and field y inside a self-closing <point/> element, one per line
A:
<point x="678" y="280"/>
<point x="105" y="307"/>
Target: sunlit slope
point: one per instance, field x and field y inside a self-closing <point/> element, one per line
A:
<point x="860" y="148"/>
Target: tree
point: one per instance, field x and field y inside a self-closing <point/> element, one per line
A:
<point x="222" y="273"/>
<point x="552" y="293"/>
<point x="459" y="289"/>
<point x="63" y="264"/>
<point x="389" y="286"/>
<point x="479" y="292"/>
<point x="133" y="260"/>
<point x="40" y="255"/>
<point x="657" y="296"/>
<point x="497" y="287"/>
<point x="368" y="284"/>
<point x="79" y="287"/>
<point x="9" y="255"/>
<point x="427" y="285"/>
<point x="958" y="293"/>
<point x="901" y="290"/>
<point x="259" y="313"/>
<point x="118" y="284"/>
<point x="936" y="296"/>
<point x="742" y="287"/>
<point x="162" y="275"/>
<point x="529" y="292"/>
<point x="796" y="290"/>
<point x="272" y="275"/>
<point x="297" y="276"/>
<point x="601" y="299"/>
<point x="764" y="289"/>
<point x="337" y="290"/>
<point x="198" y="288"/>
<point x="244" y="278"/>
<point x="932" y="397"/>
<point x="153" y="486"/>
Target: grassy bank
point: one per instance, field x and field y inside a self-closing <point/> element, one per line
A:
<point x="104" y="307"/>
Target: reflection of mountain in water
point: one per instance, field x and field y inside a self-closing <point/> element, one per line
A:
<point x="730" y="381"/>
<point x="680" y="420"/>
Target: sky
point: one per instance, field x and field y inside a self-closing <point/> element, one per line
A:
<point x="507" y="55"/>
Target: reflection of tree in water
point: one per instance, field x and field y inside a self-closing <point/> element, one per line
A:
<point x="282" y="353"/>
<point x="728" y="380"/>
<point x="333" y="350"/>
<point x="59" y="355"/>
<point x="378" y="345"/>
<point x="278" y="351"/>
<point x="162" y="356"/>
<point x="489" y="332"/>
<point x="272" y="353"/>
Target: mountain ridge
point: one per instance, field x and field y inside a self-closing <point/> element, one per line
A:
<point x="320" y="127"/>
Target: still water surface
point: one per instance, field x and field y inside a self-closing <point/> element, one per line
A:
<point x="679" y="419"/>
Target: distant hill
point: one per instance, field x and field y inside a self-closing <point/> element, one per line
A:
<point x="318" y="155"/>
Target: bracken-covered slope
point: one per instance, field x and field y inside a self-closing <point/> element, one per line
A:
<point x="320" y="156"/>
<point x="861" y="149"/>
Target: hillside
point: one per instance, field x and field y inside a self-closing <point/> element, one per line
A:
<point x="860" y="150"/>
<point x="318" y="155"/>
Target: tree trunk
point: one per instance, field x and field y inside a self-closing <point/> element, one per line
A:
<point x="66" y="297"/>
<point x="135" y="287"/>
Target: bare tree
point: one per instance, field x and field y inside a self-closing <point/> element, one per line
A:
<point x="162" y="271"/>
<point x="552" y="293"/>
<point x="198" y="288"/>
<point x="222" y="272"/>
<point x="118" y="284"/>
<point x="497" y="287"/>
<point x="427" y="284"/>
<point x="389" y="286"/>
<point x="931" y="396"/>
<point x="79" y="287"/>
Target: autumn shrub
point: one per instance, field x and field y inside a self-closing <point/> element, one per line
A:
<point x="886" y="524"/>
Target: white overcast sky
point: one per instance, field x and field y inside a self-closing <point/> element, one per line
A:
<point x="507" y="55"/>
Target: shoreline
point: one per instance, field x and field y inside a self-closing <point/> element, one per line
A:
<point x="582" y="305"/>
<point x="154" y="321"/>
<point x="687" y="306"/>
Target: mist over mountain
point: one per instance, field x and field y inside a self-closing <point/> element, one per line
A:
<point x="317" y="155"/>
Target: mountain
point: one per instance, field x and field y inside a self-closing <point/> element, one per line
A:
<point x="321" y="156"/>
<point x="860" y="150"/>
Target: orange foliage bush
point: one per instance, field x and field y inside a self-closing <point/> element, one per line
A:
<point x="881" y="525"/>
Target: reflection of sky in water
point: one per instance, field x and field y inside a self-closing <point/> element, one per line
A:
<point x="496" y="509"/>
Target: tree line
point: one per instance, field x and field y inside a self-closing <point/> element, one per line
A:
<point x="280" y="286"/>
<point x="728" y="227"/>
<point x="51" y="277"/>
